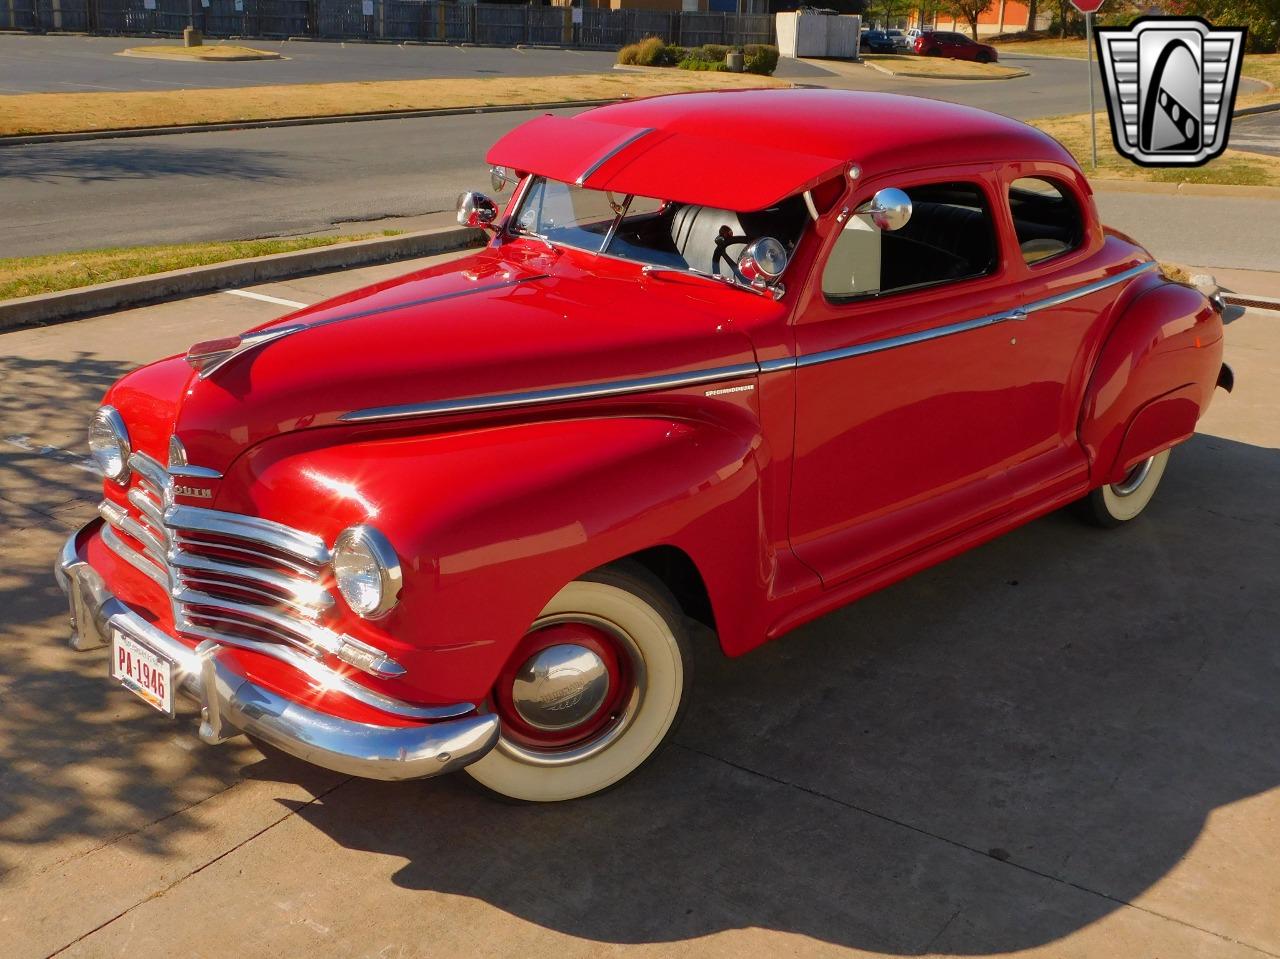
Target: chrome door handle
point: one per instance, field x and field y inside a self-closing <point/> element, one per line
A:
<point x="1017" y="315"/>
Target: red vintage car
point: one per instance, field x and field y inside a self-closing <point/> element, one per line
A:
<point x="731" y="358"/>
<point x="954" y="46"/>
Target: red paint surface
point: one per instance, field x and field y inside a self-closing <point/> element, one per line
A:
<point x="810" y="489"/>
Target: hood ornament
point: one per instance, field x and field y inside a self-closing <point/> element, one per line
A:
<point x="209" y="356"/>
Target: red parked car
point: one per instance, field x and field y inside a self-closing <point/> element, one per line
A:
<point x="737" y="358"/>
<point x="956" y="46"/>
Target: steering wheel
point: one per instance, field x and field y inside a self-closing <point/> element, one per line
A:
<point x="725" y="238"/>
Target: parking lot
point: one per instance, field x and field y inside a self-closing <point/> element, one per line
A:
<point x="1060" y="744"/>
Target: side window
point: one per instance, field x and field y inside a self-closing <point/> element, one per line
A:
<point x="949" y="237"/>
<point x="1045" y="217"/>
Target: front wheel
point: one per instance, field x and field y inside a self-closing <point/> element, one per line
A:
<point x="592" y="691"/>
<point x="1118" y="503"/>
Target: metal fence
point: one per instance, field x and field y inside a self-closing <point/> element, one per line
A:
<point x="496" y="24"/>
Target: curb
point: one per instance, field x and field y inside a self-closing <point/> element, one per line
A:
<point x="1260" y="108"/>
<point x="22" y="139"/>
<point x="69" y="304"/>
<point x="135" y="52"/>
<point x="1103" y="185"/>
<point x="938" y="76"/>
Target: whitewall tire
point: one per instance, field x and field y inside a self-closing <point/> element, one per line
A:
<point x="595" y="688"/>
<point x="1117" y="503"/>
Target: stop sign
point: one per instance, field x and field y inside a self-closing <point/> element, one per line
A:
<point x="1086" y="6"/>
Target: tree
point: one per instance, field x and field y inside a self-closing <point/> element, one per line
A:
<point x="1031" y="14"/>
<point x="1262" y="17"/>
<point x="967" y="10"/>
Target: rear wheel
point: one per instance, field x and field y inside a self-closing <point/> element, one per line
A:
<point x="1118" y="503"/>
<point x="593" y="690"/>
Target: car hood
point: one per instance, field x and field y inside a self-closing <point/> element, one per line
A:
<point x="503" y="321"/>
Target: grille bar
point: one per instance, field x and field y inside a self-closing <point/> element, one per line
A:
<point x="232" y="578"/>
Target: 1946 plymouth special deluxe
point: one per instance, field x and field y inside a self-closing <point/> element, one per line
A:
<point x="736" y="358"/>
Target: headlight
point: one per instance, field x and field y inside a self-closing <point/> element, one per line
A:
<point x="367" y="571"/>
<point x="109" y="443"/>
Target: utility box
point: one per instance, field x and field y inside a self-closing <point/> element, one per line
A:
<point x="806" y="34"/>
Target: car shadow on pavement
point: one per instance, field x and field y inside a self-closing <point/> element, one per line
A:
<point x="986" y="757"/>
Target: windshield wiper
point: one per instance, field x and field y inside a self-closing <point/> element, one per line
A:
<point x="521" y="231"/>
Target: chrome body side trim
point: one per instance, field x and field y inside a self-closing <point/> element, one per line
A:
<point x="540" y="397"/>
<point x="675" y="381"/>
<point x="610" y="154"/>
<point x="1067" y="295"/>
<point x="1012" y="316"/>
<point x="907" y="339"/>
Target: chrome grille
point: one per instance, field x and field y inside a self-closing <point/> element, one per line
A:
<point x="233" y="579"/>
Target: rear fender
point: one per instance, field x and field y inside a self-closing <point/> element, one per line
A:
<point x="491" y="523"/>
<point x="1152" y="381"/>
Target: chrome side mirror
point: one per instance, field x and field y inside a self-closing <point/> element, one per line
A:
<point x="477" y="211"/>
<point x="889" y="209"/>
<point x="499" y="177"/>
<point x="763" y="262"/>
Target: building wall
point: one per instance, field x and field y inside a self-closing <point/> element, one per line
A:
<point x="1002" y="16"/>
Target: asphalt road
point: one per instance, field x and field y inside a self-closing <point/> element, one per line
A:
<point x="250" y="183"/>
<point x="59" y="64"/>
<point x="1063" y="742"/>
<point x="1210" y="231"/>
<point x="1259" y="133"/>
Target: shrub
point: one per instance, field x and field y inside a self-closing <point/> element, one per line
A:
<point x="760" y="58"/>
<point x="650" y="52"/>
<point x="698" y="63"/>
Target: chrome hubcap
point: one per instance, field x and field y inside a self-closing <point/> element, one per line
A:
<point x="560" y="687"/>
<point x="1137" y="476"/>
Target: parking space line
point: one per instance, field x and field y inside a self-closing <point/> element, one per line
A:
<point x="267" y="299"/>
<point x="79" y="461"/>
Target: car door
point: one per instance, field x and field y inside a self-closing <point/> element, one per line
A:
<point x="907" y="382"/>
<point x="1050" y="225"/>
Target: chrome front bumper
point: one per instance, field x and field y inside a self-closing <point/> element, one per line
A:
<point x="230" y="704"/>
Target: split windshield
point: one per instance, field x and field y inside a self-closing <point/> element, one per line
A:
<point x="655" y="232"/>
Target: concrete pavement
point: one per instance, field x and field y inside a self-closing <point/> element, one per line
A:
<point x="1059" y="745"/>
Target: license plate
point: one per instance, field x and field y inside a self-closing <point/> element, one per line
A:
<point x="143" y="671"/>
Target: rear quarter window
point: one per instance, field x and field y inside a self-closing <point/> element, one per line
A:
<point x="1046" y="218"/>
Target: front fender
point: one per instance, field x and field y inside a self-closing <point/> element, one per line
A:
<point x="490" y="523"/>
<point x="1152" y="381"/>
